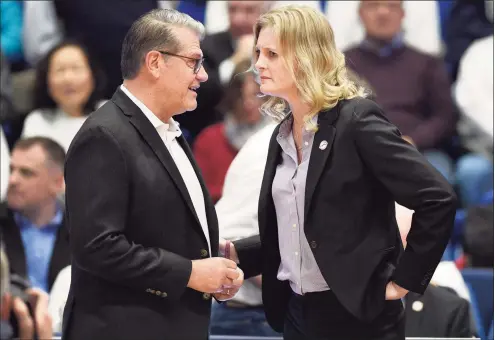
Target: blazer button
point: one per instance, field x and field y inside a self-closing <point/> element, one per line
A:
<point x="313" y="244"/>
<point x="206" y="296"/>
<point x="148" y="290"/>
<point x="204" y="253"/>
<point x="158" y="293"/>
<point x="164" y="295"/>
<point x="152" y="291"/>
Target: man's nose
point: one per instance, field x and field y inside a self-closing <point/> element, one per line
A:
<point x="202" y="76"/>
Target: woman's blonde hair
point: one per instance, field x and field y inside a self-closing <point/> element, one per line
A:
<point x="316" y="65"/>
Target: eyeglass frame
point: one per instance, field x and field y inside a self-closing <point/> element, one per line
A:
<point x="198" y="61"/>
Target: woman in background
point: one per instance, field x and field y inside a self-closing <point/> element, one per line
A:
<point x="68" y="87"/>
<point x="217" y="145"/>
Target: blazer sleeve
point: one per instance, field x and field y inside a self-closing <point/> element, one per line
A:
<point x="97" y="198"/>
<point x="415" y="184"/>
<point x="249" y="254"/>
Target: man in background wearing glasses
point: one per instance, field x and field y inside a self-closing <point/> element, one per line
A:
<point x="144" y="234"/>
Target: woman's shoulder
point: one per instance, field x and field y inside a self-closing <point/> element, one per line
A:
<point x="359" y="105"/>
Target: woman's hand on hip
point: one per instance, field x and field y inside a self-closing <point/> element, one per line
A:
<point x="394" y="292"/>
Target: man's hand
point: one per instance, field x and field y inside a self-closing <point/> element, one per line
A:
<point x="42" y="323"/>
<point x="211" y="275"/>
<point x="228" y="293"/>
<point x="394" y="292"/>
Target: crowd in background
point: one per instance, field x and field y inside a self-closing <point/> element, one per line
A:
<point x="428" y="64"/>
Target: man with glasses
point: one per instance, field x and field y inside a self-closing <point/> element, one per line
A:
<point x="144" y="232"/>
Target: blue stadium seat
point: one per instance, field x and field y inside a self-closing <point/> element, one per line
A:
<point x="480" y="282"/>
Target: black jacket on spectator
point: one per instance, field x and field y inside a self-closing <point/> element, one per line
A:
<point x="439" y="313"/>
<point x="466" y="23"/>
<point x="14" y="247"/>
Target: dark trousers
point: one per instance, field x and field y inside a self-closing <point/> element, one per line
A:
<point x="320" y="316"/>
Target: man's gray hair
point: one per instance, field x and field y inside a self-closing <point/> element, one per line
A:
<point x="4" y="273"/>
<point x="154" y="31"/>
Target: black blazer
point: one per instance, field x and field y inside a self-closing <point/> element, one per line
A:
<point x="14" y="247"/>
<point x="350" y="223"/>
<point x="134" y="232"/>
<point x="439" y="313"/>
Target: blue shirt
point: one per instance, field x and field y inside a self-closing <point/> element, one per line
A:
<point x="38" y="247"/>
<point x="386" y="50"/>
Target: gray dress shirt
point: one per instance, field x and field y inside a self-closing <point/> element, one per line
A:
<point x="298" y="264"/>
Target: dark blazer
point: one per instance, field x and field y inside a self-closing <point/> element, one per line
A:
<point x="350" y="224"/>
<point x="134" y="232"/>
<point x="14" y="247"/>
<point x="216" y="48"/>
<point x="439" y="313"/>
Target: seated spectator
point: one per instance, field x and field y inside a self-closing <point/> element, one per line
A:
<point x="473" y="93"/>
<point x="468" y="21"/>
<point x="14" y="308"/>
<point x="68" y="87"/>
<point x="237" y="213"/>
<point x="413" y="88"/>
<point x="222" y="51"/>
<point x="31" y="220"/>
<point x="217" y="145"/>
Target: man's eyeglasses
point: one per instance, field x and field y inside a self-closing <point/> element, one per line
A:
<point x="197" y="62"/>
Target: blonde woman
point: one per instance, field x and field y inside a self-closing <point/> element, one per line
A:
<point x="329" y="249"/>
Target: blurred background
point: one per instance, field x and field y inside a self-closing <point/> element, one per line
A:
<point x="429" y="64"/>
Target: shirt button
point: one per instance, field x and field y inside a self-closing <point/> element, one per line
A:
<point x="306" y="143"/>
<point x="294" y="226"/>
<point x="296" y="253"/>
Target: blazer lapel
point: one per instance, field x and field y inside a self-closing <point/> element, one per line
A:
<point x="322" y="146"/>
<point x="152" y="138"/>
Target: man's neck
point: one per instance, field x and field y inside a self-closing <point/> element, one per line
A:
<point x="41" y="215"/>
<point x="149" y="99"/>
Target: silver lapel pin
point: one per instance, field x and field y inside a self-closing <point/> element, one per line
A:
<point x="323" y="145"/>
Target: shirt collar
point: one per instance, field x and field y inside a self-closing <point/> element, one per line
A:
<point x="285" y="129"/>
<point x="384" y="51"/>
<point x="171" y="128"/>
<point x="23" y="222"/>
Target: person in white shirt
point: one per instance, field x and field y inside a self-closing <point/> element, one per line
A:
<point x="237" y="213"/>
<point x="473" y="93"/>
<point x="68" y="86"/>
